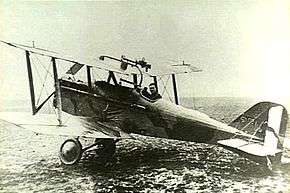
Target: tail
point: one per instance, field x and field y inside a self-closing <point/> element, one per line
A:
<point x="268" y="122"/>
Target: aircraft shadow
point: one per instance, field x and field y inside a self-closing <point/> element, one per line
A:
<point x="153" y="155"/>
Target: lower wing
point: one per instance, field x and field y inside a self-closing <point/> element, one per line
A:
<point x="74" y="126"/>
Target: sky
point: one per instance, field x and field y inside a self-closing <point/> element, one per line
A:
<point x="243" y="47"/>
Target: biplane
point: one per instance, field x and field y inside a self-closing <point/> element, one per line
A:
<point x="116" y="108"/>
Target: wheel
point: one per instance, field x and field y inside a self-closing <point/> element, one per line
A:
<point x="106" y="148"/>
<point x="70" y="151"/>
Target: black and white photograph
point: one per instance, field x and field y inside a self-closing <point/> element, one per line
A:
<point x="145" y="96"/>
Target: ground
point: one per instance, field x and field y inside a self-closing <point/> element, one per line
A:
<point x="29" y="163"/>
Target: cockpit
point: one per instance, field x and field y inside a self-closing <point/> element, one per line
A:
<point x="116" y="87"/>
<point x="122" y="93"/>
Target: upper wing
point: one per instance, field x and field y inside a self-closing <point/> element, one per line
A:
<point x="79" y="61"/>
<point x="72" y="126"/>
<point x="173" y="69"/>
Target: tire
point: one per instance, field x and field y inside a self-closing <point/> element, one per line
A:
<point x="70" y="152"/>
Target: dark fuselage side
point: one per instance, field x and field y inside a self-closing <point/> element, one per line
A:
<point x="134" y="114"/>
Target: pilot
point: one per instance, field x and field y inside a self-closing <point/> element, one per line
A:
<point x="145" y="92"/>
<point x="154" y="95"/>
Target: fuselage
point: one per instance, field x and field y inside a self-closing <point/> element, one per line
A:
<point x="188" y="124"/>
<point x="133" y="113"/>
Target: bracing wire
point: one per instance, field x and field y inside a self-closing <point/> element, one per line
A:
<point x="44" y="82"/>
<point x="43" y="65"/>
<point x="48" y="72"/>
<point x="164" y="87"/>
<point x="43" y="85"/>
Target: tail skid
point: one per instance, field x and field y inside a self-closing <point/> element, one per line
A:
<point x="266" y="121"/>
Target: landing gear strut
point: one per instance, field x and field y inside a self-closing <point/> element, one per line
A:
<point x="71" y="150"/>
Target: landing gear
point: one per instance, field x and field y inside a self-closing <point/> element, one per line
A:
<point x="71" y="150"/>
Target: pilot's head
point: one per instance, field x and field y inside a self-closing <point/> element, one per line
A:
<point x="152" y="88"/>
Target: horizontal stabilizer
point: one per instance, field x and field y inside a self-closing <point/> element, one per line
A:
<point x="249" y="147"/>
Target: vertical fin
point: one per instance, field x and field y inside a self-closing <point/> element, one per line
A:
<point x="252" y="121"/>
